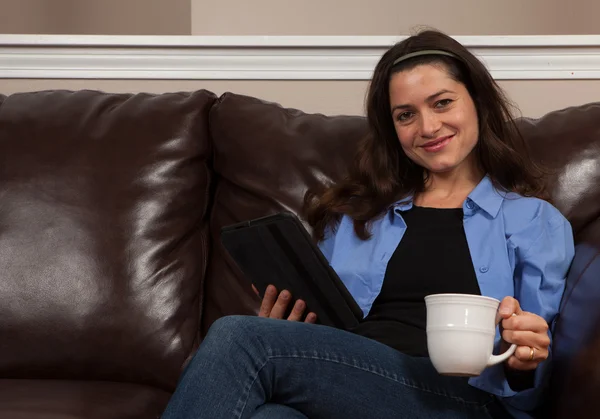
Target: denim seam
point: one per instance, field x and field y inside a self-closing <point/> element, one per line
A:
<point x="239" y="410"/>
<point x="384" y="374"/>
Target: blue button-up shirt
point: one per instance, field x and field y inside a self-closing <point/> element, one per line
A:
<point x="520" y="247"/>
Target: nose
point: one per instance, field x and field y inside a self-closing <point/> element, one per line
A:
<point x="430" y="124"/>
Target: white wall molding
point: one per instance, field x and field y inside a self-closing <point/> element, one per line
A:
<point x="275" y="57"/>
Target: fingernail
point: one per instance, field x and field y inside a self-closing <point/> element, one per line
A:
<point x="285" y="295"/>
<point x="504" y="310"/>
<point x="300" y="305"/>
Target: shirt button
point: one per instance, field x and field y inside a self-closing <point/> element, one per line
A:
<point x="483" y="269"/>
<point x="469" y="204"/>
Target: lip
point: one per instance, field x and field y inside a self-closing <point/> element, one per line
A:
<point x="437" y="144"/>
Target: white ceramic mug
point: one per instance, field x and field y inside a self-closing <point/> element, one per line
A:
<point x="460" y="333"/>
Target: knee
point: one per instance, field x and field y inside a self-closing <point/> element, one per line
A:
<point x="229" y="330"/>
<point x="226" y="339"/>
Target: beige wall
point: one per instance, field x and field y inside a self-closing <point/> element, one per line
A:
<point x="394" y="17"/>
<point x="308" y="17"/>
<point x="341" y="97"/>
<point x="106" y="17"/>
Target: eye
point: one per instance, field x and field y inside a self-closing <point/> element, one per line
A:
<point x="404" y="116"/>
<point x="443" y="103"/>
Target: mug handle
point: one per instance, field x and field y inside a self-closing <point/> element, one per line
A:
<point x="496" y="359"/>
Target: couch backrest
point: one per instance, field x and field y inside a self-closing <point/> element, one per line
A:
<point x="266" y="157"/>
<point x="103" y="233"/>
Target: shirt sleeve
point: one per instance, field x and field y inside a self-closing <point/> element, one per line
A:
<point x="543" y="252"/>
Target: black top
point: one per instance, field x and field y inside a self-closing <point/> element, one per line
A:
<point x="433" y="257"/>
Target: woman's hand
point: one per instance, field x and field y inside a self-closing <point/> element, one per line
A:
<point x="529" y="331"/>
<point x="275" y="307"/>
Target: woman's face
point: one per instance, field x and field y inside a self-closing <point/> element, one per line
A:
<point x="435" y="118"/>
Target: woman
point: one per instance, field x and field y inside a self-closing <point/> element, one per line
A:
<point x="442" y="198"/>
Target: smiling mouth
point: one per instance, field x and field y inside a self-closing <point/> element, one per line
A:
<point x="438" y="144"/>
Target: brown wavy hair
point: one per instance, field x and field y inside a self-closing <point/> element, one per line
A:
<point x="381" y="174"/>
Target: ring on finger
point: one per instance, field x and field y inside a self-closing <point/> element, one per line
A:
<point x="531" y="353"/>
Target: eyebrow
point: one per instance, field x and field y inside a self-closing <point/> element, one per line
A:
<point x="429" y="99"/>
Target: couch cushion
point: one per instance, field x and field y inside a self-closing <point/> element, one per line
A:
<point x="103" y="201"/>
<point x="43" y="399"/>
<point x="266" y="157"/>
<point x="567" y="141"/>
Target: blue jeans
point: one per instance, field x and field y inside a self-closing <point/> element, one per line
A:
<point x="251" y="367"/>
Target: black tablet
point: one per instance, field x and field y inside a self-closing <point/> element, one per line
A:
<point x="278" y="250"/>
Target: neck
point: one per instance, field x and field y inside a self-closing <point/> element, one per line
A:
<point x="449" y="189"/>
<point x="452" y="182"/>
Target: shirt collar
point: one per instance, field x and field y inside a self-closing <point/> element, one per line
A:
<point x="485" y="196"/>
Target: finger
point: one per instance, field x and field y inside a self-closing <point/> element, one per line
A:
<point x="523" y="354"/>
<point x="310" y="318"/>
<point x="526" y="321"/>
<point x="268" y="301"/>
<point x="517" y="364"/>
<point x="255" y="290"/>
<point x="526" y="338"/>
<point x="297" y="311"/>
<point x="280" y="306"/>
<point x="508" y="306"/>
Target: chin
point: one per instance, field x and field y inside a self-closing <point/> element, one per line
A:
<point x="440" y="168"/>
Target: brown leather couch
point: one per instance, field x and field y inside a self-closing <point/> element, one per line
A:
<point x="111" y="205"/>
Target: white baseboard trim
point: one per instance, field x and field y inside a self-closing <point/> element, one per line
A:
<point x="275" y="57"/>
